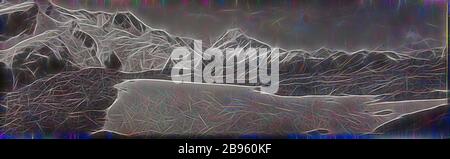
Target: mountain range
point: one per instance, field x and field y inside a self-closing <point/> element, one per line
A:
<point x="53" y="59"/>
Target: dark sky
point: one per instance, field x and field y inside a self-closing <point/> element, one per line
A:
<point x="292" y="24"/>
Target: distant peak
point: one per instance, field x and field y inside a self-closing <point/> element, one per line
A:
<point x="229" y="35"/>
<point x="234" y="31"/>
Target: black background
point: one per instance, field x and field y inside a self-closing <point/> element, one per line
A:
<point x="167" y="148"/>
